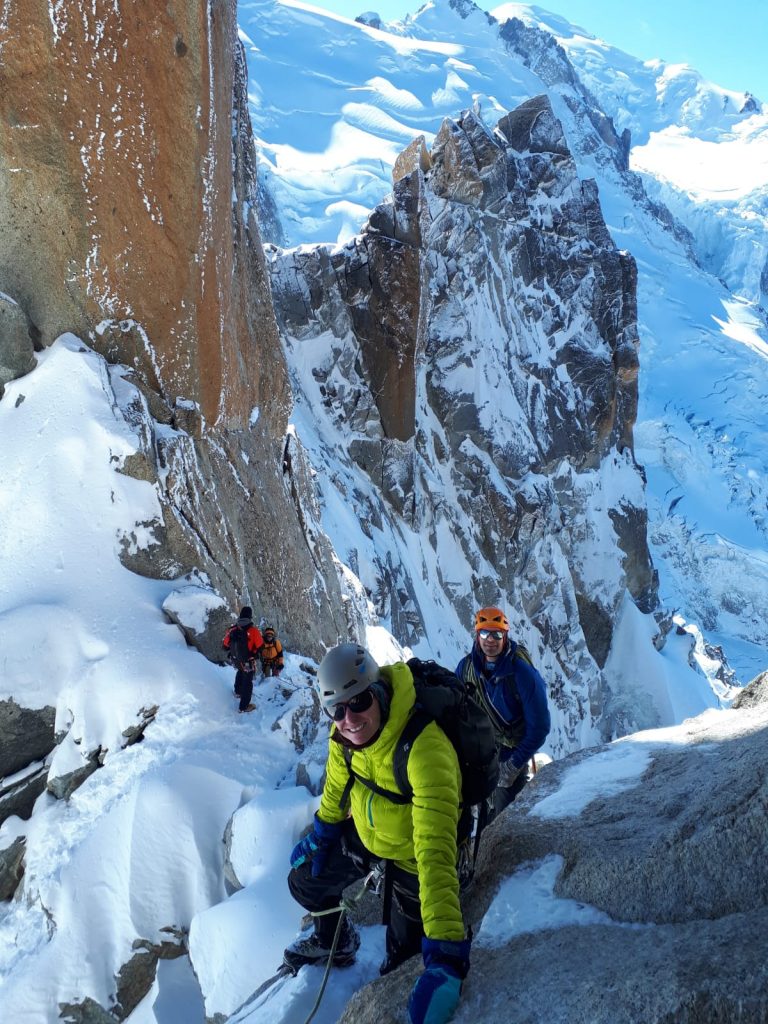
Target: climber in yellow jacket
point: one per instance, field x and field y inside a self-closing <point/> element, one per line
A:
<point x="357" y="825"/>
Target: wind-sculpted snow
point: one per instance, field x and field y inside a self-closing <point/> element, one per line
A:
<point x="333" y="102"/>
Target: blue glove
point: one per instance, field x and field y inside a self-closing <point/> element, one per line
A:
<point x="435" y="995"/>
<point x="316" y="845"/>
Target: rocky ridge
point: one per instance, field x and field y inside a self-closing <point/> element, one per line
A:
<point x="478" y="340"/>
<point x="676" y="937"/>
<point x="163" y="274"/>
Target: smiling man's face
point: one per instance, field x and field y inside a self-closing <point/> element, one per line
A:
<point x="360" y="726"/>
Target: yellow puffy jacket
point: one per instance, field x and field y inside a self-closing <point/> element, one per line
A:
<point x="419" y="836"/>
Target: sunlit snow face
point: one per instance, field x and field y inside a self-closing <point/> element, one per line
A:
<point x="360" y="726"/>
<point x="491" y="642"/>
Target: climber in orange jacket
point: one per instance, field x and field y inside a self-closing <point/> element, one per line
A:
<point x="271" y="654"/>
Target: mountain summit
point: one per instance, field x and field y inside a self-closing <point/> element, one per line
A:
<point x="351" y="99"/>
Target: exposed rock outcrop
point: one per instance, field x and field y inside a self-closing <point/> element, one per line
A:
<point x="18" y="794"/>
<point x="27" y="735"/>
<point x="754" y="693"/>
<point x="483" y="346"/>
<point x="236" y="507"/>
<point x="11" y="867"/>
<point x="202" y="616"/>
<point x="370" y="18"/>
<point x="671" y="859"/>
<point x="134" y="980"/>
<point x="17" y="341"/>
<point x="63" y="786"/>
<point x="131" y="222"/>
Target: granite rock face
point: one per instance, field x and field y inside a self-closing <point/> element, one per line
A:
<point x="130" y="220"/>
<point x="117" y="209"/>
<point x="671" y="859"/>
<point x="477" y="344"/>
<point x="235" y="506"/>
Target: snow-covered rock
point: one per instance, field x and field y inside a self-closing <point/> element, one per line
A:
<point x="609" y="891"/>
<point x="471" y="358"/>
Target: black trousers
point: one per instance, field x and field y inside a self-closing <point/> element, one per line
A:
<point x="244" y="687"/>
<point x="347" y="862"/>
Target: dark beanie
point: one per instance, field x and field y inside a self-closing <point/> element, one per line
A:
<point x="246" y="612"/>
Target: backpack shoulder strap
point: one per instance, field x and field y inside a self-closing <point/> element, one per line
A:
<point x="474" y="680"/>
<point x="414" y="727"/>
<point x="521" y="651"/>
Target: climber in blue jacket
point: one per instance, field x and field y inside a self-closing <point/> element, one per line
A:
<point x="514" y="695"/>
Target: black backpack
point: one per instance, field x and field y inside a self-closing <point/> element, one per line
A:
<point x="238" y="651"/>
<point x="441" y="697"/>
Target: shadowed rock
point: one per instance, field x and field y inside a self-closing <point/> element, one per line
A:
<point x="754" y="693"/>
<point x="11" y="867"/>
<point x="19" y="795"/>
<point x="16" y="342"/>
<point x="63" y="786"/>
<point x="26" y="735"/>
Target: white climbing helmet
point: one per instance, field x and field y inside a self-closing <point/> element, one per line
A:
<point x="344" y="672"/>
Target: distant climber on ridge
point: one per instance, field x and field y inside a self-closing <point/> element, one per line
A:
<point x="271" y="654"/>
<point x="242" y="643"/>
<point x="513" y="693"/>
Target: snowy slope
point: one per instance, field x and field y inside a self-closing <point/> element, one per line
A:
<point x="702" y="429"/>
<point x="137" y="849"/>
<point x="333" y="102"/>
<point x="136" y="853"/>
<point x="700" y="149"/>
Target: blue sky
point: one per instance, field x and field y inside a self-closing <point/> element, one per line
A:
<point x="726" y="43"/>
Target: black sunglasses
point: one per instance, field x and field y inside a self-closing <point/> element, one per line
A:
<point x="485" y="634"/>
<point x="361" y="702"/>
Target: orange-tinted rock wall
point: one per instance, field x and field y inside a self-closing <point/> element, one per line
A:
<point x="117" y="193"/>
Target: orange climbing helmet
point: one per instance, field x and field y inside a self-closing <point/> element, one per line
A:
<point x="491" y="618"/>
